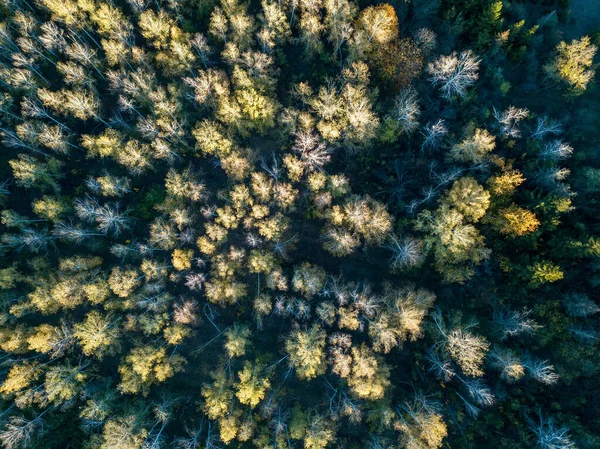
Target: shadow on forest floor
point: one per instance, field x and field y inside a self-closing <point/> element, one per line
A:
<point x="584" y="18"/>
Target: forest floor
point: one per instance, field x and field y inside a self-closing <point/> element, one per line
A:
<point x="585" y="17"/>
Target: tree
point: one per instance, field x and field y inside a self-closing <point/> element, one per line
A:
<point x="401" y="318"/>
<point x="185" y="184"/>
<point x="20" y="376"/>
<point x="358" y="107"/>
<point x="367" y="217"/>
<point x="406" y="253"/>
<point x="509" y="120"/>
<point x="217" y="396"/>
<point x="145" y="366"/>
<point x="135" y="157"/>
<point x="421" y="425"/>
<point x="319" y="433"/>
<point x="276" y="26"/>
<point x="19" y="432"/>
<point x="306" y="352"/>
<point x="379" y="23"/>
<point x="174" y="52"/>
<point x="339" y="242"/>
<point x="400" y="62"/>
<point x="540" y="370"/>
<point x="515" y="221"/>
<point x="63" y="383"/>
<point x="257" y="111"/>
<point x="109" y="217"/>
<point x="505" y="361"/>
<point x="543" y="272"/>
<point x="404" y="116"/>
<point x="454" y="73"/>
<point x="572" y="65"/>
<point x="313" y="154"/>
<point x="182" y="259"/>
<point x="308" y="279"/>
<point x="123" y="282"/>
<point x="228" y="428"/>
<point x="548" y="436"/>
<point x="474" y="149"/>
<point x="579" y="305"/>
<point x="338" y="18"/>
<point x="369" y="375"/>
<point x="556" y="150"/>
<point x="505" y="183"/>
<point x="252" y="385"/>
<point x="467" y="350"/>
<point x="512" y="323"/>
<point x="433" y="134"/>
<point x="210" y="139"/>
<point x="457" y="246"/>
<point x="478" y="392"/>
<point x="52" y="208"/>
<point x="9" y="277"/>
<point x="311" y="27"/>
<point x="237" y="339"/>
<point x="109" y="185"/>
<point x="52" y="340"/>
<point x="98" y="335"/>
<point x="30" y="172"/>
<point x="469" y="198"/>
<point x="81" y="104"/>
<point x="124" y="432"/>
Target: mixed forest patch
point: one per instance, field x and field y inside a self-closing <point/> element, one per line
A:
<point x="298" y="224"/>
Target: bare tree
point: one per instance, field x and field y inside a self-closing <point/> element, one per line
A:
<point x="108" y="217"/>
<point x="72" y="232"/>
<point x="426" y="40"/>
<point x="545" y="126"/>
<point x="200" y="44"/>
<point x="509" y="120"/>
<point x="583" y="334"/>
<point x="313" y="153"/>
<point x="479" y="392"/>
<point x="548" y="435"/>
<point x="454" y="73"/>
<point x="407" y="252"/>
<point x="465" y="348"/>
<point x="579" y="305"/>
<point x="556" y="150"/>
<point x="433" y="135"/>
<point x="552" y="178"/>
<point x="541" y="370"/>
<point x="513" y="323"/>
<point x="441" y="367"/>
<point x="18" y="432"/>
<point x="34" y="240"/>
<point x="406" y="111"/>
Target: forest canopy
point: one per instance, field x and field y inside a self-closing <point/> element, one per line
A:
<point x="299" y="224"/>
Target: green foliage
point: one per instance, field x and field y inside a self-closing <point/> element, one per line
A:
<point x="482" y="20"/>
<point x="545" y="272"/>
<point x="154" y="196"/>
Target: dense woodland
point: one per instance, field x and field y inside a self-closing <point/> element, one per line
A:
<point x="309" y="224"/>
